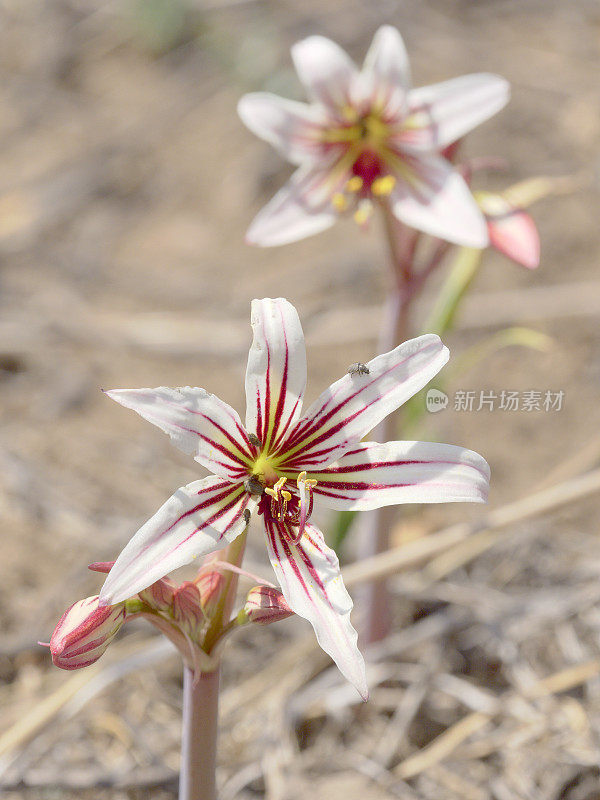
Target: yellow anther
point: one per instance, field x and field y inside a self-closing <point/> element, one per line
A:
<point x="286" y="495"/>
<point x="363" y="213"/>
<point x="309" y="482"/>
<point x="339" y="202"/>
<point x="274" y="492"/>
<point x="382" y="187"/>
<point x="354" y="184"/>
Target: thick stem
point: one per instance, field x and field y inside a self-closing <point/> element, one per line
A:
<point x="199" y="735"/>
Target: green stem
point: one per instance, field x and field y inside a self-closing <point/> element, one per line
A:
<point x="462" y="274"/>
<point x="222" y="613"/>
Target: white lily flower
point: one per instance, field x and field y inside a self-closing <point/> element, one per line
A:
<point x="282" y="460"/>
<point x="367" y="136"/>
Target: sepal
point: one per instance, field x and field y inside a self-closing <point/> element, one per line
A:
<point x="187" y="610"/>
<point x="210" y="585"/>
<point x="159" y="595"/>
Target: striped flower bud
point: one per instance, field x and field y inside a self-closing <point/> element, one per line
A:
<point x="159" y="596"/>
<point x="210" y="585"/>
<point x="265" y="604"/>
<point x="187" y="609"/>
<point x="84" y="632"/>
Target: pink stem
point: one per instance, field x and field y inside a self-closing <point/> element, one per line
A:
<point x="199" y="735"/>
<point x="376" y="525"/>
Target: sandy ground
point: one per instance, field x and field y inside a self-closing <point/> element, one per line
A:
<point x="126" y="184"/>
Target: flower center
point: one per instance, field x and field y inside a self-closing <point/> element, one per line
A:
<point x="290" y="509"/>
<point x="365" y="140"/>
<point x="263" y="470"/>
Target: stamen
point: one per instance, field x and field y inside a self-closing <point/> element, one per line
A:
<point x="305" y="487"/>
<point x="382" y="187"/>
<point x="309" y="482"/>
<point x="278" y="510"/>
<point x="354" y="184"/>
<point x="274" y="492"/>
<point x="339" y="201"/>
<point x="363" y="213"/>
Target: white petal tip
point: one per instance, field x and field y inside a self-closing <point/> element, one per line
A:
<point x="115" y="394"/>
<point x="250" y="241"/>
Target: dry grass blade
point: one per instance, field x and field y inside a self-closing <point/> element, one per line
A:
<point x="78" y="689"/>
<point x="409" y="555"/>
<point x="447" y="742"/>
<point x="441" y="747"/>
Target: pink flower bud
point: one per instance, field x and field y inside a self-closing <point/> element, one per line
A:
<point x="187" y="609"/>
<point x="159" y="595"/>
<point x="210" y="584"/>
<point x="101" y="566"/>
<point x="265" y="605"/>
<point x="84" y="632"/>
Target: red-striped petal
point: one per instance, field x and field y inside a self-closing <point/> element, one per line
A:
<point x="294" y="129"/>
<point x="198" y="519"/>
<point x="443" y="112"/>
<point x="372" y="475"/>
<point x="310" y="579"/>
<point x="327" y="72"/>
<point x="276" y="371"/>
<point x="198" y="423"/>
<point x="301" y="208"/>
<point x="431" y="196"/>
<point x="386" y="72"/>
<point x="357" y="403"/>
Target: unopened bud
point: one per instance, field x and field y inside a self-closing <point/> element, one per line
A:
<point x="84" y="632"/>
<point x="187" y="609"/>
<point x="265" y="604"/>
<point x="210" y="586"/>
<point x="159" y="596"/>
<point x="101" y="566"/>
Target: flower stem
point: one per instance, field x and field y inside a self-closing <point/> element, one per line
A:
<point x="376" y="525"/>
<point x="201" y="695"/>
<point x="234" y="555"/>
<point x="199" y="735"/>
